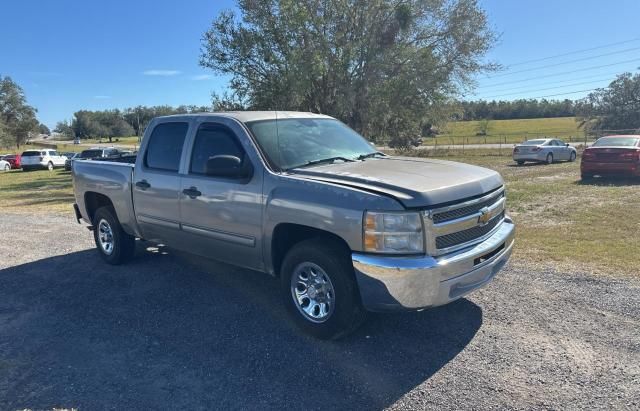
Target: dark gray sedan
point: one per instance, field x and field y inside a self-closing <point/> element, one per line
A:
<point x="544" y="150"/>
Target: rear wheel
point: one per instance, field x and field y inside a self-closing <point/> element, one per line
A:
<point x="572" y="157"/>
<point x="319" y="289"/>
<point x="549" y="158"/>
<point x="113" y="243"/>
<point x="520" y="162"/>
<point x="50" y="166"/>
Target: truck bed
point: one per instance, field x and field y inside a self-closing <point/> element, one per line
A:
<point x="111" y="178"/>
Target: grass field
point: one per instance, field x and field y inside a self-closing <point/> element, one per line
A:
<point x="560" y="221"/>
<point x="508" y="131"/>
<point x="36" y="191"/>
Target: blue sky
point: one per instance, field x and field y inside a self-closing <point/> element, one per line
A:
<point x="71" y="54"/>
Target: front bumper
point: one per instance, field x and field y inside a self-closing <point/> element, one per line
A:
<point x="409" y="283"/>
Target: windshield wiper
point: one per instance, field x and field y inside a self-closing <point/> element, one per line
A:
<point x="324" y="160"/>
<point x="369" y="155"/>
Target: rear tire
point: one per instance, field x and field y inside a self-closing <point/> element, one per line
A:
<point x="50" y="166"/>
<point x="549" y="158"/>
<point x="520" y="162"/>
<point x="113" y="243"/>
<point x="319" y="289"/>
<point x="586" y="177"/>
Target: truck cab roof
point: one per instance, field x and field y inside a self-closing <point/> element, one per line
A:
<point x="248" y="116"/>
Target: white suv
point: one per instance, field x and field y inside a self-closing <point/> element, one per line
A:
<point x="33" y="159"/>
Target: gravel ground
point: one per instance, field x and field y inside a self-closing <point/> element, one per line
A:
<point x="168" y="330"/>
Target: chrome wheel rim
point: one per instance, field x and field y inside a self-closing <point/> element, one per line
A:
<point x="105" y="237"/>
<point x="549" y="159"/>
<point x="50" y="166"/>
<point x="312" y="292"/>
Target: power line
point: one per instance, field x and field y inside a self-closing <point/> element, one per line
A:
<point x="564" y="94"/>
<point x="564" y="73"/>
<point x="549" y="88"/>
<point x="573" y="52"/>
<point x="553" y="82"/>
<point x="565" y="62"/>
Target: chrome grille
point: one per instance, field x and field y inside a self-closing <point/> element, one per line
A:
<point x="464" y="236"/>
<point x="463" y="211"/>
<point x="463" y="224"/>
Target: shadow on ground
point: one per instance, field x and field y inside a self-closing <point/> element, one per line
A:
<point x="167" y="331"/>
<point x="609" y="181"/>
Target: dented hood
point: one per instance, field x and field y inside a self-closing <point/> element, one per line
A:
<point x="412" y="181"/>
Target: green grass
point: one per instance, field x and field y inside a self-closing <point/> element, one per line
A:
<point x="508" y="131"/>
<point x="36" y="191"/>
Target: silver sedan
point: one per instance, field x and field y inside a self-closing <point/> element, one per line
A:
<point x="544" y="150"/>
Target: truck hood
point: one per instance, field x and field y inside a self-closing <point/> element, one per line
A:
<point x="412" y="181"/>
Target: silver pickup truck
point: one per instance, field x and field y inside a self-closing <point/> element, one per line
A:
<point x="303" y="197"/>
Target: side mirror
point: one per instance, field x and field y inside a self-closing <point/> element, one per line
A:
<point x="566" y="144"/>
<point x="228" y="166"/>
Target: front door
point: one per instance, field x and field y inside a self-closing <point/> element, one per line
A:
<point x="221" y="217"/>
<point x="156" y="183"/>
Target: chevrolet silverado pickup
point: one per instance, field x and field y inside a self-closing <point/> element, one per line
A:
<point x="300" y="196"/>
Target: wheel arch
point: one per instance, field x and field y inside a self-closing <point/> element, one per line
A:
<point x="287" y="235"/>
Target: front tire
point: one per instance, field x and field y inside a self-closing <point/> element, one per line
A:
<point x="572" y="157"/>
<point x="113" y="243"/>
<point x="520" y="162"/>
<point x="7" y="167"/>
<point x="319" y="289"/>
<point x="549" y="158"/>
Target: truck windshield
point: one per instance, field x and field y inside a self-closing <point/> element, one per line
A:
<point x="296" y="142"/>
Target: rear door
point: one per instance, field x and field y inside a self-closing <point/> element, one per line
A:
<point x="221" y="217"/>
<point x="156" y="182"/>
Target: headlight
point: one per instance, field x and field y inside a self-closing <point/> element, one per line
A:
<point x="393" y="232"/>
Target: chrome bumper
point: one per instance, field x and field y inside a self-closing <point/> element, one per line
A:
<point x="410" y="283"/>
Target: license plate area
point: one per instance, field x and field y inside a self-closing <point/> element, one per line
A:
<point x="485" y="257"/>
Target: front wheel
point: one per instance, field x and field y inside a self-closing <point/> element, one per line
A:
<point x="572" y="157"/>
<point x="549" y="158"/>
<point x="319" y="289"/>
<point x="7" y="167"/>
<point x="520" y="162"/>
<point x="113" y="243"/>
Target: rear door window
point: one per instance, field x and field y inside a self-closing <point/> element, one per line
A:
<point x="165" y="146"/>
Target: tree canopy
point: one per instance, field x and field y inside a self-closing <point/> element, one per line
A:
<point x="385" y="67"/>
<point x="17" y="118"/>
<point x="117" y="123"/>
<point x="616" y="107"/>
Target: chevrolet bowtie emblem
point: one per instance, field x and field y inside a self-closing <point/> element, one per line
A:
<point x="484" y="217"/>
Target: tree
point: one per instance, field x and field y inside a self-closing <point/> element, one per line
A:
<point x="64" y="128"/>
<point x="483" y="127"/>
<point x="382" y="66"/>
<point x="18" y="118"/>
<point x="616" y="107"/>
<point x="43" y="129"/>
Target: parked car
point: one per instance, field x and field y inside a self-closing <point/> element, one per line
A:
<point x="303" y="197"/>
<point x="14" y="160"/>
<point x="99" y="152"/>
<point x="546" y="150"/>
<point x="41" y="159"/>
<point x="76" y="141"/>
<point x="69" y="161"/>
<point x="612" y="156"/>
<point x="5" y="165"/>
